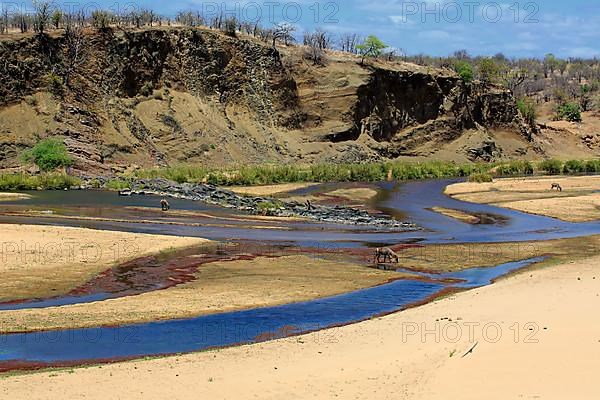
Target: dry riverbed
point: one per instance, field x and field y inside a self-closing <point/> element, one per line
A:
<point x="218" y="286"/>
<point x="540" y="322"/>
<point x="46" y="261"/>
<point x="578" y="202"/>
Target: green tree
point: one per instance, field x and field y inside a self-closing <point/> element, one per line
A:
<point x="371" y="47"/>
<point x="528" y="110"/>
<point x="57" y="17"/>
<point x="488" y="70"/>
<point x="48" y="155"/>
<point x="551" y="63"/>
<point x="568" y="112"/>
<point x="465" y="70"/>
<point x="42" y="15"/>
<point x="585" y="99"/>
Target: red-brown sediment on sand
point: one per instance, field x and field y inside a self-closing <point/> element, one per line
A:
<point x="147" y="274"/>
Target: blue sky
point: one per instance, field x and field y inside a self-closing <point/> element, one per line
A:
<point x="435" y="27"/>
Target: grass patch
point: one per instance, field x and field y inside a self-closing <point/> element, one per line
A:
<point x="118" y="184"/>
<point x="277" y="174"/>
<point x="481" y="178"/>
<point x="515" y="168"/>
<point x="551" y="167"/>
<point x="47" y="181"/>
<point x="255" y="175"/>
<point x="269" y="208"/>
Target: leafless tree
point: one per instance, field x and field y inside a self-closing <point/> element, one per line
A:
<point x="461" y="55"/>
<point x="229" y="26"/>
<point x="319" y="38"/>
<point x="42" y="16"/>
<point x="4" y="21"/>
<point x="348" y="42"/>
<point x="74" y="51"/>
<point x="316" y="45"/>
<point x="284" y="32"/>
<point x="189" y="18"/>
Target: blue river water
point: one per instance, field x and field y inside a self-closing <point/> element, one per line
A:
<point x="226" y="329"/>
<point x="411" y="201"/>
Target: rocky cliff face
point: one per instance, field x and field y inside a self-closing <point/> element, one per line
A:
<point x="185" y="95"/>
<point x="407" y="108"/>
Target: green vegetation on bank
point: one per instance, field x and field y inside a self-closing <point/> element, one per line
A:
<point x="48" y="155"/>
<point x="276" y="174"/>
<point x="369" y="172"/>
<point x="49" y="181"/>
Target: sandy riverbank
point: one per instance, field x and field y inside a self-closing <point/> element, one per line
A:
<point x="267" y="190"/>
<point x="219" y="287"/>
<point x="387" y="358"/>
<point x="578" y="202"/>
<point x="46" y="261"/>
<point x="13" y="196"/>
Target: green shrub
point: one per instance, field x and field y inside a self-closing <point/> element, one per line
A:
<point x="568" y="112"/>
<point x="528" y="110"/>
<point x="50" y="181"/>
<point x="465" y="70"/>
<point x="552" y="167"/>
<point x="55" y="84"/>
<point x="481" y="178"/>
<point x="574" y="167"/>
<point x="147" y="89"/>
<point x="48" y="155"/>
<point x="118" y="184"/>
<point x="268" y="207"/>
<point x="274" y="174"/>
<point x="592" y="166"/>
<point x="515" y="168"/>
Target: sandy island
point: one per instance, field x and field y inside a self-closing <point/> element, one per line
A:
<point x="354" y="195"/>
<point x="219" y="287"/>
<point x="46" y="261"/>
<point x="267" y="190"/>
<point x="536" y="337"/>
<point x="578" y="202"/>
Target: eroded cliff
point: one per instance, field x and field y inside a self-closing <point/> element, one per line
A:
<point x="166" y="96"/>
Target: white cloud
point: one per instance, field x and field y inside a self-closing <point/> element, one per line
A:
<point x="434" y="35"/>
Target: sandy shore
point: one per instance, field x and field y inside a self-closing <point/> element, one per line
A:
<point x="219" y="287"/>
<point x="578" y="202"/>
<point x="46" y="261"/>
<point x="13" y="196"/>
<point x="267" y="190"/>
<point x="417" y="354"/>
<point x="457" y="214"/>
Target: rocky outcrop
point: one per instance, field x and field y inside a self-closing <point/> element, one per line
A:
<point x="406" y="109"/>
<point x="263" y="205"/>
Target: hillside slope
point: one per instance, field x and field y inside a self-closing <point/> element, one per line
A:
<point x="166" y="96"/>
